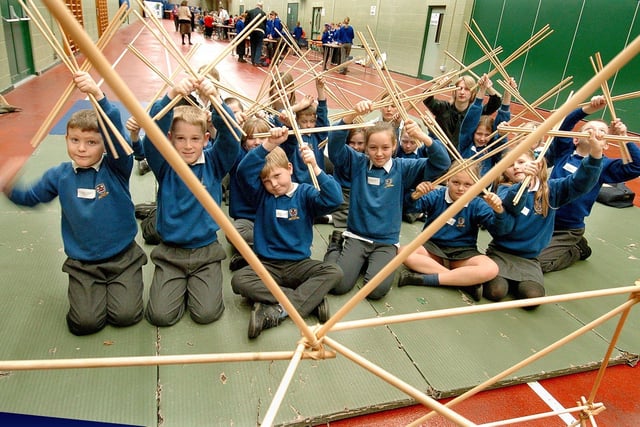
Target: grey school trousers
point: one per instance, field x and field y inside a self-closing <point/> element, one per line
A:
<point x="109" y="291"/>
<point x="186" y="278"/>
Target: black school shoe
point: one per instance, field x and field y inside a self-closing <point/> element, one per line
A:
<point x="322" y="311"/>
<point x="263" y="316"/>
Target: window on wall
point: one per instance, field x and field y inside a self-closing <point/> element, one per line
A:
<point x="436" y="21"/>
<point x="75" y="6"/>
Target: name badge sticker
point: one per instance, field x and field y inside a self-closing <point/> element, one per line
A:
<point x="86" y="193"/>
<point x="570" y="168"/>
<point x="372" y="180"/>
<point x="281" y="213"/>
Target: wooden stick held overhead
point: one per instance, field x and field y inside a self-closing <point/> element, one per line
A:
<point x="157" y="137"/>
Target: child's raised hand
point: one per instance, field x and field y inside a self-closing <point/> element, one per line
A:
<point x="184" y="88"/>
<point x="415" y="131"/>
<point x="597" y="143"/>
<point x="85" y="83"/>
<point x="206" y="88"/>
<point x="278" y="135"/>
<point x="320" y="82"/>
<point x="485" y="82"/>
<point x="307" y="155"/>
<point x="422" y="189"/>
<point x="284" y="119"/>
<point x="133" y="127"/>
<point x="596" y="103"/>
<point x="306" y="101"/>
<point x="494" y="201"/>
<point x="9" y="172"/>
<point x="618" y="127"/>
<point x="532" y="167"/>
<point x="361" y="108"/>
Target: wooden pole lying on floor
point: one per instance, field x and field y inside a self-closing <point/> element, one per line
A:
<point x="399" y="384"/>
<point x="270" y="416"/>
<point x="538" y="355"/>
<point x="159" y="139"/>
<point x="187" y="359"/>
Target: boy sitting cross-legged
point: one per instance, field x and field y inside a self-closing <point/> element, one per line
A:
<point x="283" y="234"/>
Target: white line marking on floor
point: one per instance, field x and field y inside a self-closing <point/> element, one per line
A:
<point x="551" y="401"/>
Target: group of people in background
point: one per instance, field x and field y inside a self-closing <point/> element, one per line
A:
<point x="364" y="183"/>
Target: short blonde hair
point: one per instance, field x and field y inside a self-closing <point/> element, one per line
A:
<point x="191" y="115"/>
<point x="277" y="158"/>
<point x="85" y="120"/>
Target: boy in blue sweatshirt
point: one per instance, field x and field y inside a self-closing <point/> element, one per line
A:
<point x="283" y="235"/>
<point x="308" y="118"/>
<point x="568" y="244"/>
<point x="104" y="263"/>
<point x="378" y="185"/>
<point x="188" y="269"/>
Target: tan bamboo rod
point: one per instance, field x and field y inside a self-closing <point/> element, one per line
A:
<point x="130" y="361"/>
<point x="278" y="397"/>
<point x="309" y="131"/>
<point x="419" y="396"/>
<point x="534" y="357"/>
<point x="481" y="308"/>
<point x="157" y="137"/>
<point x="616" y="63"/>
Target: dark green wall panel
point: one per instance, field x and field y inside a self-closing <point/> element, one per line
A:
<point x="580" y="29"/>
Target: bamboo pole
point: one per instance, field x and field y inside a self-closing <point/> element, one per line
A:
<point x="108" y="34"/>
<point x="538" y="355"/>
<point x="607" y="355"/>
<point x="482" y="308"/>
<point x="616" y="63"/>
<point x="276" y="402"/>
<point x="130" y="361"/>
<point x="277" y="78"/>
<point x="539" y="416"/>
<point x="157" y="137"/>
<point x="309" y="131"/>
<point x="399" y="384"/>
<point x="571" y="134"/>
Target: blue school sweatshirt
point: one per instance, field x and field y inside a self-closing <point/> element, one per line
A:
<point x="466" y="146"/>
<point x="531" y="232"/>
<point x="561" y="155"/>
<point x="377" y="195"/>
<point x="284" y="225"/>
<point x="182" y="221"/>
<point x="462" y="229"/>
<point x="98" y="219"/>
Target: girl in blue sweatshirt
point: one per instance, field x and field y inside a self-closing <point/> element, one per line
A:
<point x="378" y="185"/>
<point x="476" y="128"/>
<point x="451" y="257"/>
<point x="515" y="250"/>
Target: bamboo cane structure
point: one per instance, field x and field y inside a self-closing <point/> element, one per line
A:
<point x="315" y="338"/>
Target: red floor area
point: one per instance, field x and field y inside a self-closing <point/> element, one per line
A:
<point x="619" y="391"/>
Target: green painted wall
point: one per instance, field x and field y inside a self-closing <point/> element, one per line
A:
<point x="580" y="29"/>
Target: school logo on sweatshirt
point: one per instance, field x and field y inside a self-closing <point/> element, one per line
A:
<point x="101" y="191"/>
<point x="293" y="214"/>
<point x="388" y="183"/>
<point x="461" y="222"/>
